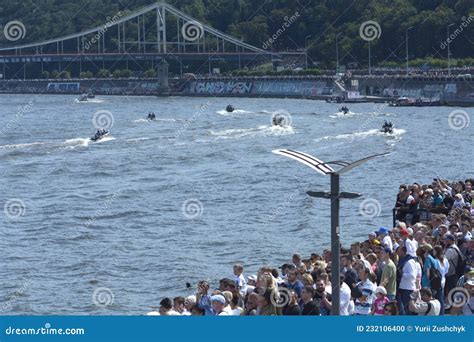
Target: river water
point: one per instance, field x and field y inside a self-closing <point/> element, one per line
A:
<point x="158" y="204"/>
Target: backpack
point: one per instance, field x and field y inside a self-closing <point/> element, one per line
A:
<point x="435" y="279"/>
<point x="461" y="263"/>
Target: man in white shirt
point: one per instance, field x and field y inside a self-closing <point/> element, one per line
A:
<point x="385" y="237"/>
<point x="410" y="279"/>
<point x="410" y="243"/>
<point x="365" y="289"/>
<point x="345" y="298"/>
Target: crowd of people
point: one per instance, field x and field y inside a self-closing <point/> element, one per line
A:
<point x="421" y="266"/>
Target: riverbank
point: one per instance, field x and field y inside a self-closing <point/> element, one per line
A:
<point x="450" y="91"/>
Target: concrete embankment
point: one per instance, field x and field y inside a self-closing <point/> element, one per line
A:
<point x="451" y="91"/>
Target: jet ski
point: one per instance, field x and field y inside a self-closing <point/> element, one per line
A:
<point x="101" y="133"/>
<point x="387" y="128"/>
<point x="229" y="108"/>
<point x="278" y="121"/>
<point x="83" y="98"/>
<point x="151" y="116"/>
<point x="344" y="110"/>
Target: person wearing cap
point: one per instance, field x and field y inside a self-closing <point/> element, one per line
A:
<point x="389" y="276"/>
<point x="453" y="254"/>
<point x="386" y="240"/>
<point x="410" y="243"/>
<point x="468" y="274"/>
<point x="218" y="303"/>
<point x="380" y="301"/>
<point x="410" y="275"/>
<point x="458" y="202"/>
<point x="423" y="303"/>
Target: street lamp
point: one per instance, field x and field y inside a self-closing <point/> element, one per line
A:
<point x="337" y="53"/>
<point x="334" y="195"/>
<point x="406" y="43"/>
<point x="306" y="50"/>
<point x="449" y="51"/>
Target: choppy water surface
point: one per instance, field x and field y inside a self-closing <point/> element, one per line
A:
<point x="158" y="204"/>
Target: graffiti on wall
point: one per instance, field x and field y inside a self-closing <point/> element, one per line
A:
<point x="229" y="87"/>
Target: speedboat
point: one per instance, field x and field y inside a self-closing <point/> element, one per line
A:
<point x="100" y="135"/>
<point x="344" y="110"/>
<point x="229" y="108"/>
<point x="90" y="95"/>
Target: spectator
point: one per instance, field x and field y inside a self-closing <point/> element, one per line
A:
<point x="251" y="305"/>
<point x="385" y="239"/>
<point x="218" y="303"/>
<point x="380" y="301"/>
<point x="409" y="271"/>
<point x="454" y="257"/>
<point x="322" y="298"/>
<point x="346" y="306"/>
<point x="389" y="275"/>
<point x="166" y="308"/>
<point x="391" y="309"/>
<point x="350" y="275"/>
<point x="292" y="308"/>
<point x="308" y="306"/>
<point x="265" y="304"/>
<point x="364" y="293"/>
<point x="423" y="304"/>
<point x="443" y="267"/>
<point x="239" y="279"/>
<point x="294" y="283"/>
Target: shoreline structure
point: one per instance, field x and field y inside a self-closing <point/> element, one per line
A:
<point x="430" y="90"/>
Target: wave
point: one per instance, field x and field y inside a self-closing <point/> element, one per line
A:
<point x="22" y="145"/>
<point x="235" y="112"/>
<point x="89" y="101"/>
<point x="397" y="132"/>
<point x="258" y="131"/>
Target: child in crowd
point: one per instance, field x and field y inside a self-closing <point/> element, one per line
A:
<point x="380" y="301"/>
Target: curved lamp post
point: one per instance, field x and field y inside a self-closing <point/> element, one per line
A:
<point x="334" y="195"/>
